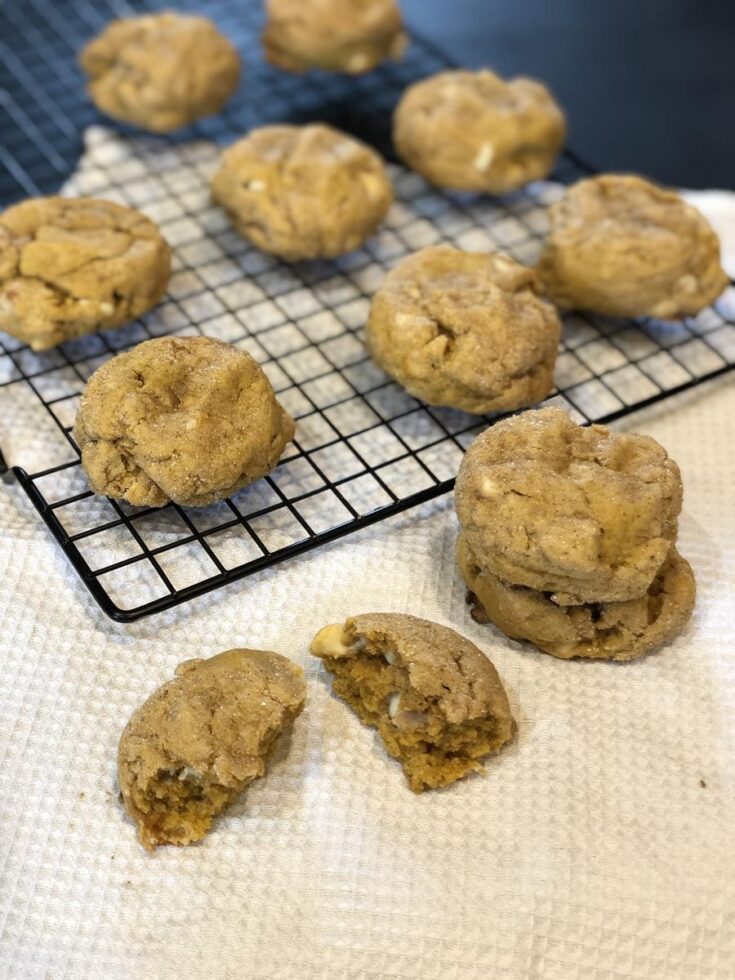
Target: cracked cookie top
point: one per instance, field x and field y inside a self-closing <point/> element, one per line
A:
<point x="468" y="330"/>
<point x="303" y="192"/>
<point x="160" y="71"/>
<point x="351" y="36"/>
<point x="473" y="131"/>
<point x="201" y="738"/>
<point x="583" y="513"/>
<point x="186" y="419"/>
<point x="70" y="266"/>
<point x="623" y="246"/>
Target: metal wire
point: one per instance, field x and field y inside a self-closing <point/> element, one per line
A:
<point x="364" y="449"/>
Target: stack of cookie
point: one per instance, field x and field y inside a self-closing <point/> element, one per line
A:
<point x="568" y="537"/>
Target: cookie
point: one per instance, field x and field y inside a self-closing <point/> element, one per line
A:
<point x="466" y="330"/>
<point x="584" y="513"/>
<point x="622" y="246"/>
<point x="350" y="36"/>
<point x="303" y="192"/>
<point x="199" y="740"/>
<point x="160" y="71"/>
<point x="602" y="631"/>
<point x="183" y="419"/>
<point x="435" y="699"/>
<point x="473" y="131"/>
<point x="71" y="266"/>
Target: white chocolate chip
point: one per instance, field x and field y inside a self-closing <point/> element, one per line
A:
<point x="358" y="62"/>
<point x="186" y="772"/>
<point x="374" y="186"/>
<point x="489" y="488"/>
<point x="256" y="185"/>
<point x="329" y="642"/>
<point x="394" y="704"/>
<point x="687" y="284"/>
<point x="485" y="156"/>
<point x="390" y="657"/>
<point x="412" y="320"/>
<point x="106" y="309"/>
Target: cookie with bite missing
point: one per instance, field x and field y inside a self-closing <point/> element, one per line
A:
<point x="199" y="740"/>
<point x="433" y="696"/>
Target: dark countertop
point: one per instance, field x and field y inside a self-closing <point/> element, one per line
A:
<point x="649" y="85"/>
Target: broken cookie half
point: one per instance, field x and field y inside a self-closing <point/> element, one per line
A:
<point x="434" y="697"/>
<point x="198" y="741"/>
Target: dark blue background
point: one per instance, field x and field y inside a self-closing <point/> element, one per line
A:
<point x="648" y="85"/>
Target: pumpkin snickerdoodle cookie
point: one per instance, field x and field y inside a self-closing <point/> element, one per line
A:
<point x="603" y="630"/>
<point x="199" y="740"/>
<point x="622" y="246"/>
<point x="71" y="266"/>
<point x="160" y="71"/>
<point x="183" y="419"/>
<point x="351" y="36"/>
<point x="473" y="131"/>
<point x="303" y="192"/>
<point x="465" y="329"/>
<point x="584" y="513"/>
<point x="434" y="697"/>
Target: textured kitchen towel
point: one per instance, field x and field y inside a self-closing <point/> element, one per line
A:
<point x="598" y="847"/>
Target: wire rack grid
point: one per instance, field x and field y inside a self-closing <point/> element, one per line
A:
<point x="364" y="449"/>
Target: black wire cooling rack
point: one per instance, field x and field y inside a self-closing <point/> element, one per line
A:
<point x="364" y="449"/>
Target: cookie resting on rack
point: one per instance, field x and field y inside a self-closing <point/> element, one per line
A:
<point x="601" y="631"/>
<point x="468" y="330"/>
<point x="583" y="513"/>
<point x="199" y="740"/>
<point x="160" y="71"/>
<point x="72" y="266"/>
<point x="303" y="192"/>
<point x="620" y="245"/>
<point x="434" y="697"/>
<point x="351" y="36"/>
<point x="183" y="419"/>
<point x="473" y="131"/>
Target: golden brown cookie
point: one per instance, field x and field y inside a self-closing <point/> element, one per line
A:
<point x="434" y="697"/>
<point x="584" y="513"/>
<point x="183" y="419"/>
<point x="160" y="71"/>
<point x="473" y="131"/>
<point x="604" y="631"/>
<point x="70" y="266"/>
<point x="466" y="330"/>
<point x="198" y="741"/>
<point x="623" y="246"/>
<point x="303" y="192"/>
<point x="350" y="36"/>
